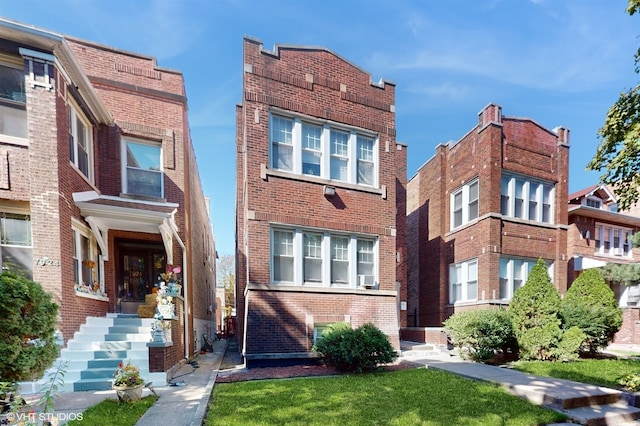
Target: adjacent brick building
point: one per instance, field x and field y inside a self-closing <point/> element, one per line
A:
<point x="99" y="187"/>
<point x="481" y="212"/>
<point x="320" y="201"/>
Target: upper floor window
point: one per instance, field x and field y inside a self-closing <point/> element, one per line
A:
<point x="612" y="240"/>
<point x="80" y="143"/>
<point x="16" y="243"/>
<point x="13" y="112"/>
<point x="526" y="198"/>
<point x="593" y="202"/>
<point x="324" y="150"/>
<point x="142" y="172"/>
<point x="464" y="204"/>
<point x="322" y="259"/>
<point x="463" y="281"/>
<point x="514" y="273"/>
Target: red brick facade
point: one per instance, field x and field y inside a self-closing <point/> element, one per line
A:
<point x="316" y="85"/>
<point x="116" y="94"/>
<point x="498" y="145"/>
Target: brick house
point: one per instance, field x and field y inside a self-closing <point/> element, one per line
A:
<point x="320" y="202"/>
<point x="99" y="187"/>
<point x="480" y="213"/>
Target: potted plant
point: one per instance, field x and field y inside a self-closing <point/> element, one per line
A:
<point x="128" y="382"/>
<point x="171" y="278"/>
<point x="165" y="304"/>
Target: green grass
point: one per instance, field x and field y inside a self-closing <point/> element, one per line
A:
<point x="408" y="397"/>
<point x="112" y="412"/>
<point x="603" y="372"/>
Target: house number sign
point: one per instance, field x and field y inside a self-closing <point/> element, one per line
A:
<point x="45" y="261"/>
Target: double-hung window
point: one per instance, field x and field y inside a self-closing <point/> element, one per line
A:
<point x="463" y="281"/>
<point x="612" y="240"/>
<point x="323" y="149"/>
<point x="464" y="204"/>
<point x="142" y="171"/>
<point x="13" y="112"/>
<point x="322" y="259"/>
<point x="514" y="273"/>
<point x="87" y="275"/>
<point x="16" y="244"/>
<point x="80" y="142"/>
<point x="526" y="198"/>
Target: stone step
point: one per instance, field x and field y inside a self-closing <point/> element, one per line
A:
<point x="604" y="415"/>
<point x="92" y="385"/>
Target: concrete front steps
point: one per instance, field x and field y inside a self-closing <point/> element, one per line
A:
<point x="420" y="350"/>
<point x="95" y="351"/>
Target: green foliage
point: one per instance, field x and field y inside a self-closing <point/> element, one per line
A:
<point x="27" y="326"/>
<point x="55" y="381"/>
<point x="483" y="334"/>
<point x="625" y="274"/>
<point x="591" y="305"/>
<point x="630" y="382"/>
<point x="111" y="412"/>
<point x="362" y="349"/>
<point x="568" y="347"/>
<point x="534" y="312"/>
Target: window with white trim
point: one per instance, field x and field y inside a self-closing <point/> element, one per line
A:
<point x="514" y="272"/>
<point x="327" y="150"/>
<point x="13" y="100"/>
<point x="87" y="271"/>
<point x="463" y="281"/>
<point x="322" y="259"/>
<point x="16" y="244"/>
<point x="80" y="142"/>
<point x="464" y="204"/>
<point x="612" y="240"/>
<point x="142" y="168"/>
<point x="594" y="202"/>
<point x="526" y="198"/>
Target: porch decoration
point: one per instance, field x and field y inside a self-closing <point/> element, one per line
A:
<point x="165" y="305"/>
<point x="172" y="279"/>
<point x="160" y="329"/>
<point x="128" y="382"/>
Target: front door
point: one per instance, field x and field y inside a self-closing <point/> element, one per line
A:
<point x="140" y="265"/>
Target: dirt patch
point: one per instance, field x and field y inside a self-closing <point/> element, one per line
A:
<point x="227" y="376"/>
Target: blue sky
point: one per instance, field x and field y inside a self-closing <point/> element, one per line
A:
<point x="559" y="62"/>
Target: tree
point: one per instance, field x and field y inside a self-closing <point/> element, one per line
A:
<point x="591" y="305"/>
<point x="226" y="274"/>
<point x="619" y="151"/>
<point x="27" y="328"/>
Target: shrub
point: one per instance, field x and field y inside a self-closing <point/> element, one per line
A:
<point x="630" y="382"/>
<point x="568" y="347"/>
<point x="591" y="305"/>
<point x="362" y="349"/>
<point x="482" y="335"/>
<point x="534" y="312"/>
<point x="27" y="327"/>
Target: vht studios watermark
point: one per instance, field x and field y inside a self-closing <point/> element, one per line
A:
<point x="38" y="418"/>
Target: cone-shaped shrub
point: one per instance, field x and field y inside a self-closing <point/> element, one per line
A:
<point x="591" y="306"/>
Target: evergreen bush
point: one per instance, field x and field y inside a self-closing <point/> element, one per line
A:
<point x="482" y="335"/>
<point x="591" y="305"/>
<point x="27" y="327"/>
<point x="359" y="350"/>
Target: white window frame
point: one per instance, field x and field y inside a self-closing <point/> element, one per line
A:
<point x="292" y="140"/>
<point x="509" y="266"/>
<point x="78" y="232"/>
<point x="466" y="206"/>
<point x="14" y="109"/>
<point x="593" y="200"/>
<point x="125" y="167"/>
<point x="28" y="245"/>
<point x="518" y="203"/>
<point x="74" y="147"/>
<point x="465" y="279"/>
<point x="620" y="248"/>
<point x="298" y="255"/>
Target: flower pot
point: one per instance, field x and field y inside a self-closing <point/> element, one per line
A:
<point x="173" y="289"/>
<point x="128" y="393"/>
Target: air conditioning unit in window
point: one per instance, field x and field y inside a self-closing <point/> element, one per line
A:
<point x="618" y="251"/>
<point x="365" y="281"/>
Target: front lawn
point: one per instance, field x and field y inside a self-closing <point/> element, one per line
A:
<point x="112" y="412"/>
<point x="602" y="372"/>
<point x="408" y="397"/>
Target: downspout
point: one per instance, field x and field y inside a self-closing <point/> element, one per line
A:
<point x="185" y="282"/>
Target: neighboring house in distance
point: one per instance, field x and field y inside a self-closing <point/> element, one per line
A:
<point x="320" y="202"/>
<point x="481" y="212"/>
<point x="598" y="235"/>
<point x="99" y="187"/>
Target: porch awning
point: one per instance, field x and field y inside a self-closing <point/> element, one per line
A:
<point x="580" y="263"/>
<point x="103" y="212"/>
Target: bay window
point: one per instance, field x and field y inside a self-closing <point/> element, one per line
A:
<point x="463" y="281"/>
<point x="526" y="198"/>
<point x="514" y="273"/>
<point x="612" y="240"/>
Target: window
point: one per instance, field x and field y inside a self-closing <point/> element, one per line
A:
<point x="13" y="112"/>
<point x="15" y="243"/>
<point x="612" y="241"/>
<point x="464" y="204"/>
<point x="526" y="199"/>
<point x="143" y="171"/>
<point x="463" y="281"/>
<point x="80" y="143"/>
<point x="87" y="275"/>
<point x="324" y="150"/>
<point x="322" y="259"/>
<point x="593" y="202"/>
<point x="514" y="273"/>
